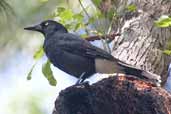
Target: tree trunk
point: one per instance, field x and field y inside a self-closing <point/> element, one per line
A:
<point x="114" y="95"/>
<point x="141" y="43"/>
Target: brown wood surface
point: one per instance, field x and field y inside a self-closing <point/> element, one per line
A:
<point x="114" y="95"/>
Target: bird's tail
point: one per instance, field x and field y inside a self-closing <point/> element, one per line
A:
<point x="142" y="74"/>
<point x="154" y="78"/>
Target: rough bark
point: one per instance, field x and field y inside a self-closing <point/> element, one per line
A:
<point x="141" y="43"/>
<point x="114" y="95"/>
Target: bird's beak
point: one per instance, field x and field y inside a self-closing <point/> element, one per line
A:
<point x="34" y="28"/>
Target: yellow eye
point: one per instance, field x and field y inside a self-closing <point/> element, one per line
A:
<point x="46" y="24"/>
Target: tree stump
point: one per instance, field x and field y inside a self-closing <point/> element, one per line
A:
<point x="114" y="95"/>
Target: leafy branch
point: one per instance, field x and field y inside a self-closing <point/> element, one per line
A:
<point x="163" y="22"/>
<point x="84" y="9"/>
<point x="97" y="37"/>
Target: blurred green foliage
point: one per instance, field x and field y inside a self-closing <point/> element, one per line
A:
<point x="97" y="2"/>
<point x="163" y="22"/>
<point x="6" y="11"/>
<point x="14" y="16"/>
<point x="27" y="104"/>
<point x="132" y="7"/>
<point x="72" y="21"/>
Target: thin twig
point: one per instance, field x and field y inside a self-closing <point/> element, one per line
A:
<point x="92" y="38"/>
<point x="84" y="9"/>
<point x="110" y="36"/>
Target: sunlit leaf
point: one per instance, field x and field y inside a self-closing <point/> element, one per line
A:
<point x="132" y="8"/>
<point x="167" y="52"/>
<point x="38" y="54"/>
<point x="30" y="72"/>
<point x="46" y="70"/>
<point x="66" y="14"/>
<point x="163" y="21"/>
<point x="57" y="12"/>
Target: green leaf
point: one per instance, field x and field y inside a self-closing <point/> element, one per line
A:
<point x="38" y="54"/>
<point x="97" y="2"/>
<point x="46" y="70"/>
<point x="66" y="14"/>
<point x="91" y="20"/>
<point x="68" y="26"/>
<point x="60" y="9"/>
<point x="77" y="26"/>
<point x="132" y="7"/>
<point x="163" y="21"/>
<point x="30" y="72"/>
<point x="167" y="52"/>
<point x="99" y="15"/>
<point x="111" y="14"/>
<point x="79" y="17"/>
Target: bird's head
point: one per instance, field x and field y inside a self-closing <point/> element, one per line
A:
<point x="48" y="27"/>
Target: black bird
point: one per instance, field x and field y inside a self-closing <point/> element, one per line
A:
<point x="79" y="58"/>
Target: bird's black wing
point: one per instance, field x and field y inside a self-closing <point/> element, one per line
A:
<point x="75" y="45"/>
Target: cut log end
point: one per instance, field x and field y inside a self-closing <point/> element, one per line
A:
<point x="114" y="95"/>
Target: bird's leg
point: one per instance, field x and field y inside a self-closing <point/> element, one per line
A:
<point x="80" y="80"/>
